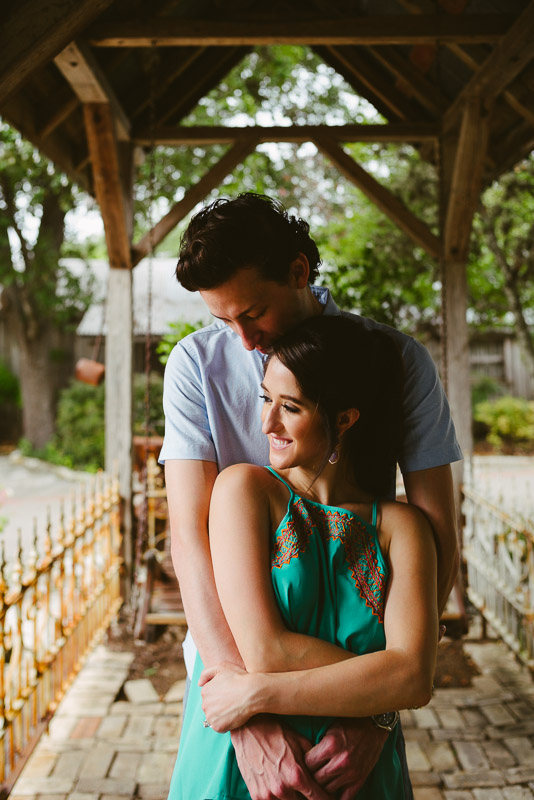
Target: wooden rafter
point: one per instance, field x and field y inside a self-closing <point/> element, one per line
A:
<point x="182" y="96"/>
<point x="330" y="57"/>
<point x="466" y="180"/>
<point x="387" y="29"/>
<point x="35" y="32"/>
<point x="107" y="179"/>
<point x="80" y="68"/>
<point x="169" y="72"/>
<point x="204" y="135"/>
<point x="518" y="95"/>
<point x="378" y="83"/>
<point x="196" y="193"/>
<point x="418" y="231"/>
<point x="58" y="116"/>
<point x="509" y="57"/>
<point x="427" y="94"/>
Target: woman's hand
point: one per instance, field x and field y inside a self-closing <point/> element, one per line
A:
<point x="227" y="696"/>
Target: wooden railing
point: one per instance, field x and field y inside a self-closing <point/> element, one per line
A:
<point x="499" y="551"/>
<point x="55" y="600"/>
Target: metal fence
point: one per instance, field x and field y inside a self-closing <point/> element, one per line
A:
<point x="55" y="600"/>
<point x="499" y="551"/>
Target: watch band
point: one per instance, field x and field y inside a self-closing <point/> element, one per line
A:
<point x="386" y="721"/>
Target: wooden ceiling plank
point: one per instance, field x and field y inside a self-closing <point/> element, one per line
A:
<point x="517" y="92"/>
<point x="367" y="30"/>
<point x="512" y="148"/>
<point x="107" y="181"/>
<point x="194" y="195"/>
<point x="379" y="84"/>
<point x="206" y="135"/>
<point x="506" y="61"/>
<point x="466" y="180"/>
<point x="420" y="87"/>
<point x="36" y="32"/>
<point x="89" y="83"/>
<point x="417" y="230"/>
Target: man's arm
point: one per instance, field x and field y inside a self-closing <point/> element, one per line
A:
<point x="270" y="759"/>
<point x="431" y="490"/>
<point x="189" y="485"/>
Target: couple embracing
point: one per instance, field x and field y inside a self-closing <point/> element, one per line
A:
<point x="314" y="599"/>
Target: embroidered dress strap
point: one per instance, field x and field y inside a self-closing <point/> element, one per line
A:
<point x="375" y="508"/>
<point x="276" y="475"/>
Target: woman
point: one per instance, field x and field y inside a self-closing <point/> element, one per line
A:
<point x="329" y="592"/>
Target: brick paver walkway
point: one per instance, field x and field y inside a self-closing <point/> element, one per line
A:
<point x="468" y="744"/>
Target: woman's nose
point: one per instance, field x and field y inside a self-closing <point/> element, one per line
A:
<point x="271" y="420"/>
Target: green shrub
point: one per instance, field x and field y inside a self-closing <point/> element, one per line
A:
<point x="79" y="441"/>
<point x="510" y="420"/>
<point x="9" y="387"/>
<point x="156" y="422"/>
<point x="485" y="388"/>
<point x="178" y="330"/>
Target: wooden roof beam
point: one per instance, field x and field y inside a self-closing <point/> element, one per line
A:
<point x="466" y="180"/>
<point x="417" y="230"/>
<point x="89" y="83"/>
<point x="377" y="83"/>
<point x="427" y="94"/>
<point x="107" y="180"/>
<point x="368" y="30"/>
<point x="35" y="32"/>
<point x="517" y="95"/>
<point x="508" y="58"/>
<point x="186" y="135"/>
<point x="194" y="195"/>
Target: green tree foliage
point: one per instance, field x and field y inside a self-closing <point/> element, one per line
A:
<point x="509" y="421"/>
<point x="41" y="299"/>
<point x="501" y="273"/>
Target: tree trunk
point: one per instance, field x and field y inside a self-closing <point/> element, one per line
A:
<point x="37" y="389"/>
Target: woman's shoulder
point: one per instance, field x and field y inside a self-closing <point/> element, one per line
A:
<point x="243" y="480"/>
<point x="402" y="519"/>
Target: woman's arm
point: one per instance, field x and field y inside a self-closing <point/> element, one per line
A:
<point x="398" y="677"/>
<point x="240" y="530"/>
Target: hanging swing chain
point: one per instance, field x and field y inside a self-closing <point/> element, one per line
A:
<point x="142" y="526"/>
<point x="442" y="177"/>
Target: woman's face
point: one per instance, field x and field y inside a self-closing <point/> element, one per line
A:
<point x="297" y="437"/>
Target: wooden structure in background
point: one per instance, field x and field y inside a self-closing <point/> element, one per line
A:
<point x="453" y="77"/>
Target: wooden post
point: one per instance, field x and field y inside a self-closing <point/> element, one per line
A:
<point x="112" y="171"/>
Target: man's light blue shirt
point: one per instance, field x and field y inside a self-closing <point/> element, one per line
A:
<point x="212" y="400"/>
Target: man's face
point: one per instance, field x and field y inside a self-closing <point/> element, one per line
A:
<point x="258" y="310"/>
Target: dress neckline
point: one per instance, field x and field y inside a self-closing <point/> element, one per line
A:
<point x="342" y="509"/>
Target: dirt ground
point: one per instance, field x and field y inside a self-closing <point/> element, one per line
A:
<point x="161" y="661"/>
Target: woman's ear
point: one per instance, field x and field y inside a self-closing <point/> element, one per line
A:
<point x="346" y="419"/>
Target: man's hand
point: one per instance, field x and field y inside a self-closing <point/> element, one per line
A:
<point x="346" y="755"/>
<point x="271" y="761"/>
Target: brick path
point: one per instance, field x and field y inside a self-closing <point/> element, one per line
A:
<point x="468" y="744"/>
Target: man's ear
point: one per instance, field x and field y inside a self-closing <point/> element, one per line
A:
<point x="346" y="419"/>
<point x="299" y="272"/>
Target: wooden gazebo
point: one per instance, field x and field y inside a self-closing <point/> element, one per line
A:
<point x="455" y="78"/>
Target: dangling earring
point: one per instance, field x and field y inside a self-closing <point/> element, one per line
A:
<point x="334" y="458"/>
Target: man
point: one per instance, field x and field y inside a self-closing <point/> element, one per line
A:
<point x="255" y="268"/>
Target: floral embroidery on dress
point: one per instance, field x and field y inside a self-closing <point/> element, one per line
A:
<point x="360" y="547"/>
<point x="293" y="538"/>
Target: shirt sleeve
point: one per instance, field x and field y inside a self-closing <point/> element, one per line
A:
<point x="429" y="436"/>
<point x="187" y="429"/>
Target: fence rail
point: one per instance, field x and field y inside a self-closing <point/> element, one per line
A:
<point x="499" y="551"/>
<point x="53" y="605"/>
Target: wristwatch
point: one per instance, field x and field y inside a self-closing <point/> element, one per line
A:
<point x="386" y="721"/>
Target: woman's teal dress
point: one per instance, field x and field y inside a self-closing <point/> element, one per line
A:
<point x="329" y="579"/>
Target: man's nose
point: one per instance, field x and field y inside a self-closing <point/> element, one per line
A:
<point x="248" y="336"/>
